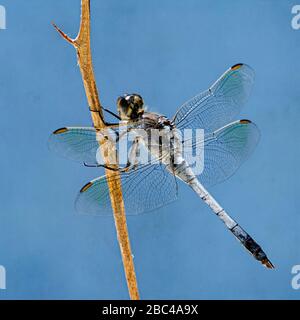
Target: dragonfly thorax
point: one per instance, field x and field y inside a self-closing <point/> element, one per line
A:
<point x="130" y="106"/>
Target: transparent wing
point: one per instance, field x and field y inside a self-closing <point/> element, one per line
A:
<point x="220" y="104"/>
<point x="81" y="143"/>
<point x="144" y="189"/>
<point x="78" y="144"/>
<point x="226" y="149"/>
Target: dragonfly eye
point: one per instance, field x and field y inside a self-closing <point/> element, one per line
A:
<point x="123" y="108"/>
<point x="138" y="100"/>
<point x="130" y="106"/>
<point x="122" y="102"/>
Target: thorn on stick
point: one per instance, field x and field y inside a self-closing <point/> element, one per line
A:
<point x="64" y="35"/>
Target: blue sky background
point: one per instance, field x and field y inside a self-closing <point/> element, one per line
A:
<point x="168" y="51"/>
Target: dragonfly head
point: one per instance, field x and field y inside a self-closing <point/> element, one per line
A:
<point x="130" y="106"/>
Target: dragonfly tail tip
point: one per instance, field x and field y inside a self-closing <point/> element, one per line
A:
<point x="267" y="263"/>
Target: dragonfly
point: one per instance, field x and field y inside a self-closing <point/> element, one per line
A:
<point x="227" y="143"/>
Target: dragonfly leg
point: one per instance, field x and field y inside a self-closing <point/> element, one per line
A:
<point x="112" y="113"/>
<point x="123" y="169"/>
<point x="132" y="161"/>
<point x="102" y="119"/>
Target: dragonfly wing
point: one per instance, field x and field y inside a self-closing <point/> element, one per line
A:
<point x="220" y="104"/>
<point x="226" y="149"/>
<point x="82" y="143"/>
<point x="144" y="189"/>
<point x="75" y="143"/>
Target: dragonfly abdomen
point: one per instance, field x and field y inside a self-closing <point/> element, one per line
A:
<point x="246" y="240"/>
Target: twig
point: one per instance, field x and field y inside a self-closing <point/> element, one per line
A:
<point x="83" y="49"/>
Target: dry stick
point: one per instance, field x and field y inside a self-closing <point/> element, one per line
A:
<point x="83" y="49"/>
